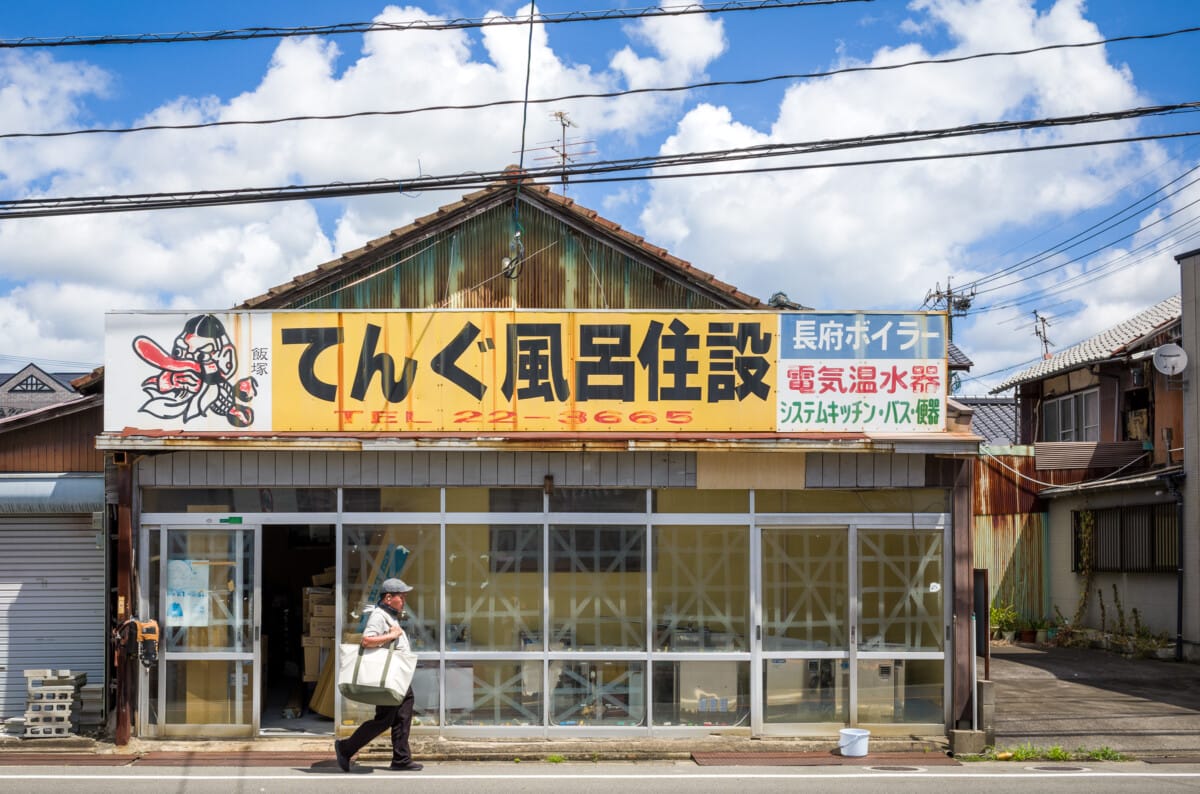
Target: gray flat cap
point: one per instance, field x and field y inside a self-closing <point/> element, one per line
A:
<point x="394" y="586"/>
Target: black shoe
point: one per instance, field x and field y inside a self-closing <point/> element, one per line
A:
<point x="342" y="759"/>
<point x="411" y="766"/>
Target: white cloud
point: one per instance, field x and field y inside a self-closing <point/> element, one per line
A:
<point x="882" y="236"/>
<point x="216" y="257"/>
<point x="862" y="237"/>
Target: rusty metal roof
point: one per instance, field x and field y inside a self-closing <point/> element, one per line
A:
<point x="319" y="284"/>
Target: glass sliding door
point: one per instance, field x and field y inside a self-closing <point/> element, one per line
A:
<point x="804" y="600"/>
<point x="208" y="614"/>
<point x="900" y="664"/>
<point x="852" y="626"/>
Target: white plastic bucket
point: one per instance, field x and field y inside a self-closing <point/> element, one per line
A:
<point x="853" y="741"/>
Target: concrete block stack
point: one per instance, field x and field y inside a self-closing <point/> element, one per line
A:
<point x="53" y="702"/>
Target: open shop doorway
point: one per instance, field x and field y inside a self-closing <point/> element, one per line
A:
<point x="298" y="578"/>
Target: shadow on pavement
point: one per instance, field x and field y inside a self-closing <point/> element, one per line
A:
<point x="1083" y="697"/>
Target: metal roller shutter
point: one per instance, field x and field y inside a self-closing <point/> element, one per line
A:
<point x="52" y="598"/>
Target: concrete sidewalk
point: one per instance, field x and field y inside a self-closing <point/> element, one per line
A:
<point x="432" y="748"/>
<point x="1090" y="698"/>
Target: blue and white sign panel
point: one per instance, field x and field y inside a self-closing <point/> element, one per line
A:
<point x="862" y="371"/>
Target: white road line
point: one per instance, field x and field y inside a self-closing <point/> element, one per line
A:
<point x="390" y="779"/>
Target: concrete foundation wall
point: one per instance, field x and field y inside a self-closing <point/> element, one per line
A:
<point x="1152" y="594"/>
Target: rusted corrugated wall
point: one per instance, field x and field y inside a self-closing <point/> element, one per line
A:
<point x="461" y="267"/>
<point x="1013" y="549"/>
<point x="1011" y="535"/>
<point x="1010" y="538"/>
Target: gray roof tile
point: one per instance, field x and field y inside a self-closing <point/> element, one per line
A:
<point x="994" y="418"/>
<point x="1103" y="345"/>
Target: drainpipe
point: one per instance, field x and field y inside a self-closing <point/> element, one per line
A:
<point x="1177" y="492"/>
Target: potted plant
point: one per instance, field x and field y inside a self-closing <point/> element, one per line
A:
<point x="1003" y="618"/>
<point x="1026" y="632"/>
<point x="1041" y="629"/>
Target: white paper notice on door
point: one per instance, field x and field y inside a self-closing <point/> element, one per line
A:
<point x="187" y="593"/>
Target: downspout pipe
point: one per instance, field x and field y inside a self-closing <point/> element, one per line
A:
<point x="1173" y="485"/>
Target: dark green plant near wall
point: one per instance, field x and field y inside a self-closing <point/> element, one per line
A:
<point x="1087" y="529"/>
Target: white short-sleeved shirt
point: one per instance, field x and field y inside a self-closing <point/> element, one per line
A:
<point x="381" y="622"/>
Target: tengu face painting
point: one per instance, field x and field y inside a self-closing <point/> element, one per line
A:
<point x="196" y="378"/>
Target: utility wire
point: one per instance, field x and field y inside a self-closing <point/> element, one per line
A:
<point x="596" y="95"/>
<point x="341" y="28"/>
<point x="1153" y="241"/>
<point x="1129" y="211"/>
<point x="1110" y="268"/>
<point x="1043" y="257"/>
<point x="585" y="173"/>
<point x="810" y="147"/>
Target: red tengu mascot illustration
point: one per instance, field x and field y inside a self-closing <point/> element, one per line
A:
<point x="193" y="380"/>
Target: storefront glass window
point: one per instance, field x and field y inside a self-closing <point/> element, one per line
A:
<point x="391" y="500"/>
<point x="900" y="584"/>
<point x="493" y="587"/>
<point x="209" y="591"/>
<point x="701" y="588"/>
<point x="805" y="589"/>
<point x="806" y="690"/>
<point x="209" y="692"/>
<point x="690" y="500"/>
<point x="598" y="500"/>
<point x="494" y="693"/>
<point x="371" y="554"/>
<point x="867" y="500"/>
<point x="598" y="587"/>
<point x="701" y="693"/>
<point x="494" y="500"/>
<point x="598" y="693"/>
<point x="239" y="500"/>
<point x="900" y="690"/>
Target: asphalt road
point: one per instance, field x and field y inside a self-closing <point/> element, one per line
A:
<point x="675" y="777"/>
<point x="1088" y="698"/>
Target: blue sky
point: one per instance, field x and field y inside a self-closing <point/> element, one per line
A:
<point x="875" y="237"/>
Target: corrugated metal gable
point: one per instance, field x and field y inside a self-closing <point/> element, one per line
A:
<point x="573" y="259"/>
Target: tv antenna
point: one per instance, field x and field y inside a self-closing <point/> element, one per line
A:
<point x="565" y="150"/>
<point x="1040" y="323"/>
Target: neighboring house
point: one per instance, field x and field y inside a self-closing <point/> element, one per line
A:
<point x="1106" y="429"/>
<point x="32" y="388"/>
<point x="563" y="438"/>
<point x="1190" y="592"/>
<point x="53" y="548"/>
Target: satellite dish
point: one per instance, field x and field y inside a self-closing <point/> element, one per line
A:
<point x="1170" y="359"/>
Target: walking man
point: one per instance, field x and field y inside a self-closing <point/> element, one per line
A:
<point x="383" y="628"/>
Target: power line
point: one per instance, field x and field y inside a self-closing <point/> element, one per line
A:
<point x="1080" y="237"/>
<point x="45" y="207"/>
<point x="767" y="150"/>
<point x="1110" y="268"/>
<point x="1109" y="244"/>
<point x="342" y="28"/>
<point x="594" y="95"/>
<point x="48" y="363"/>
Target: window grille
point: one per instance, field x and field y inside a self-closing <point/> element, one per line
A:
<point x="1130" y="539"/>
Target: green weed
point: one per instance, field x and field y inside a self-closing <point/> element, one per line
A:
<point x="1026" y="752"/>
<point x="1057" y="753"/>
<point x="1105" y="754"/>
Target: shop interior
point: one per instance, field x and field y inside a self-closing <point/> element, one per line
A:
<point x="298" y="564"/>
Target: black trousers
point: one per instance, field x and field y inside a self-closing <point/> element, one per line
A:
<point x="398" y="718"/>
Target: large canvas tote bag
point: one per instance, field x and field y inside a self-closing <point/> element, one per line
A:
<point x="378" y="676"/>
